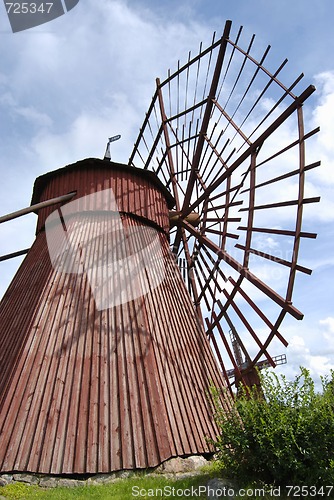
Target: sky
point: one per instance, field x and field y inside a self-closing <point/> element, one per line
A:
<point x="68" y="85"/>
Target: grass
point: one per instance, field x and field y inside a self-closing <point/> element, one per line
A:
<point x="142" y="487"/>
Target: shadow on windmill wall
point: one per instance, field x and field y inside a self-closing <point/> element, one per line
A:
<point x="131" y="256"/>
<point x="26" y="15"/>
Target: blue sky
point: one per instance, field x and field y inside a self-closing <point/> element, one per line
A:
<point x="67" y="86"/>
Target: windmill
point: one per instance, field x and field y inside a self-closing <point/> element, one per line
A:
<point x="210" y="205"/>
<point x="242" y="359"/>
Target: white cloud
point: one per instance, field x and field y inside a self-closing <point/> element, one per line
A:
<point x="312" y="347"/>
<point x="319" y="363"/>
<point x="329" y="323"/>
<point x="324" y="116"/>
<point x="87" y="135"/>
<point x="33" y="116"/>
<point x="95" y="77"/>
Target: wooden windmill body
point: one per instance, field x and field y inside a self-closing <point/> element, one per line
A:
<point x="87" y="390"/>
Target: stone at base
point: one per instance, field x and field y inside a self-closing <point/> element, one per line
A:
<point x="180" y="465"/>
<point x="26" y="478"/>
<point x="5" y="479"/>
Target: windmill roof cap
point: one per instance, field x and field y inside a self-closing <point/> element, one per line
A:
<point x="42" y="180"/>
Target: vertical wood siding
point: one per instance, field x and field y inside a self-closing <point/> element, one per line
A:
<point x="88" y="391"/>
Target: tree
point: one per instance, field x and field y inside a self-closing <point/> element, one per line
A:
<point x="284" y="437"/>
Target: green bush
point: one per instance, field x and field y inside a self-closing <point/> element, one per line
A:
<point x="283" y="437"/>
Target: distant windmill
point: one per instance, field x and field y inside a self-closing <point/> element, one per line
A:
<point x="106" y="365"/>
<point x="243" y="360"/>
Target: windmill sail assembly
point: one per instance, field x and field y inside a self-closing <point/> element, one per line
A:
<point x="151" y="281"/>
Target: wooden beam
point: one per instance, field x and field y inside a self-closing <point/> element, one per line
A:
<point x="36" y="207"/>
<point x="14" y="254"/>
